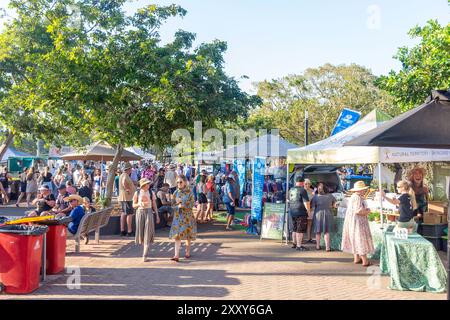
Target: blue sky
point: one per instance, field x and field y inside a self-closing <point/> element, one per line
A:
<point x="272" y="38"/>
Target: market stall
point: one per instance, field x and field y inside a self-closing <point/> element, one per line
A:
<point x="100" y="151"/>
<point x="337" y="150"/>
<point x="431" y="130"/>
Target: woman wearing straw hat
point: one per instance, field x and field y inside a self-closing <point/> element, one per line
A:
<point x="356" y="237"/>
<point x="145" y="204"/>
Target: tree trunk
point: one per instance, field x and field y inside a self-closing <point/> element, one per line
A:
<point x="112" y="175"/>
<point x="6" y="144"/>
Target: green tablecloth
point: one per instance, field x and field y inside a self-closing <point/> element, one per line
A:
<point x="413" y="264"/>
<point x="375" y="228"/>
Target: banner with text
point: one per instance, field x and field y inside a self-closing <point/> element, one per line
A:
<point x="346" y="119"/>
<point x="239" y="167"/>
<point x="259" y="167"/>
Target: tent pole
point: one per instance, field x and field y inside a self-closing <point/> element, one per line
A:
<point x="380" y="189"/>
<point x="101" y="178"/>
<point x="448" y="247"/>
<point x="286" y="215"/>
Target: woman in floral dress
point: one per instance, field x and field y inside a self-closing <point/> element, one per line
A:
<point x="356" y="237"/>
<point x="184" y="225"/>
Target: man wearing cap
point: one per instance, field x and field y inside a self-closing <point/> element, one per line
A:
<point x="45" y="202"/>
<point x="76" y="213"/>
<point x="171" y="178"/>
<point x="126" y="193"/>
<point x="61" y="205"/>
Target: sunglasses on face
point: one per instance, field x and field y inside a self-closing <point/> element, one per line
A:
<point x="180" y="182"/>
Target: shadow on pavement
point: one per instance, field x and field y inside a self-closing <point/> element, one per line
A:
<point x="168" y="282"/>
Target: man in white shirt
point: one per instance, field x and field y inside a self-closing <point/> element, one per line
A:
<point x="76" y="176"/>
<point x="171" y="178"/>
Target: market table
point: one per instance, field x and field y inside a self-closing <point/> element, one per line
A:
<point x="375" y="229"/>
<point x="413" y="264"/>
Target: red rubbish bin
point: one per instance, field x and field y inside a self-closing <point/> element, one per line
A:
<point x="20" y="258"/>
<point x="56" y="244"/>
<point x="56" y="249"/>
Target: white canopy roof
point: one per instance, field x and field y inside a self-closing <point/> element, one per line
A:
<point x="142" y="153"/>
<point x="332" y="150"/>
<point x="12" y="152"/>
<point x="269" y="146"/>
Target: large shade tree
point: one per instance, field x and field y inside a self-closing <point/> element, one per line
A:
<point x="323" y="92"/>
<point x="107" y="75"/>
<point x="424" y="67"/>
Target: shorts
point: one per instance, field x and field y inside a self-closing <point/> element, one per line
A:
<point x="230" y="209"/>
<point x="202" y="198"/>
<point x="127" y="207"/>
<point x="210" y="196"/>
<point x="300" y="224"/>
<point x="23" y="187"/>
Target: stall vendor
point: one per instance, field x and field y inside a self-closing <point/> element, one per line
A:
<point x="416" y="177"/>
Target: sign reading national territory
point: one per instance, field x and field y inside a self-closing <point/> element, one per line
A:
<point x="346" y="119"/>
<point x="259" y="167"/>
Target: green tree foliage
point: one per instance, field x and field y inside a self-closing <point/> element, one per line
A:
<point x="324" y="92"/>
<point x="89" y="69"/>
<point x="425" y="67"/>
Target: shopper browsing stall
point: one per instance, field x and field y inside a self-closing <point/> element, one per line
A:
<point x="310" y="191"/>
<point x="299" y="207"/>
<point x="323" y="221"/>
<point x="356" y="236"/>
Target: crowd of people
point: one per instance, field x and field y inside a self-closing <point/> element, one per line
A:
<point x="178" y="196"/>
<point x="311" y="211"/>
<point x="175" y="194"/>
<point x="181" y="198"/>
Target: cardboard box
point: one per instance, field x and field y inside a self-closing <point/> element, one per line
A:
<point x="434" y="218"/>
<point x="438" y="207"/>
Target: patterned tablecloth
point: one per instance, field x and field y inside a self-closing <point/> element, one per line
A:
<point x="413" y="264"/>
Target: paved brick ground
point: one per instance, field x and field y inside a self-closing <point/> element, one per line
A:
<point x="224" y="265"/>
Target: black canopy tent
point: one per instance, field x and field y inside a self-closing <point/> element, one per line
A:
<point x="427" y="126"/>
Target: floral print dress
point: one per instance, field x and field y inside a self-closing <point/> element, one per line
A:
<point x="184" y="225"/>
<point x="356" y="236"/>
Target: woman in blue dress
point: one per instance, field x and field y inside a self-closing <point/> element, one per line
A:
<point x="184" y="225"/>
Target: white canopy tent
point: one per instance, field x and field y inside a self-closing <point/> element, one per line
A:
<point x="333" y="151"/>
<point x="268" y="146"/>
<point x="142" y="153"/>
<point x="12" y="152"/>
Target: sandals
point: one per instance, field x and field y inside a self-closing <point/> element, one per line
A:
<point x="358" y="262"/>
<point x="187" y="256"/>
<point x="368" y="264"/>
<point x="318" y="248"/>
<point x="329" y="250"/>
<point x="175" y="259"/>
